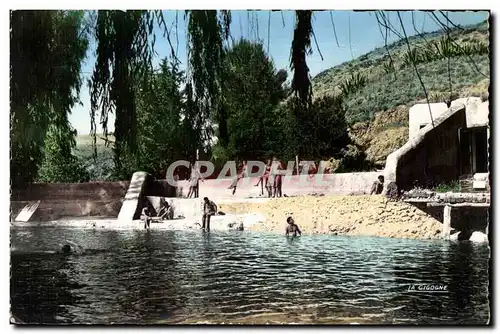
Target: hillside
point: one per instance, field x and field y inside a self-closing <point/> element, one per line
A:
<point x="377" y="110"/>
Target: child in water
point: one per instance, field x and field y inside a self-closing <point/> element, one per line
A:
<point x="292" y="228"/>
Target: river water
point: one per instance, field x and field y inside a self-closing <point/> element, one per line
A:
<point x="158" y="276"/>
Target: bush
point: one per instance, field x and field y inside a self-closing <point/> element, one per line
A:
<point x="59" y="164"/>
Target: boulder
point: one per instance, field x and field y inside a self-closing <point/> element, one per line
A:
<point x="479" y="237"/>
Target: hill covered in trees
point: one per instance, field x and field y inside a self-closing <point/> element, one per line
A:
<point x="385" y="85"/>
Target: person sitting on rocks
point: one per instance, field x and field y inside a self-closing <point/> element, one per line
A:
<point x="292" y="228"/>
<point x="166" y="211"/>
<point x="378" y="186"/>
<point x="145" y="216"/>
<point x="209" y="209"/>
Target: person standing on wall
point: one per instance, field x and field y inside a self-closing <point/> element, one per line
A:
<point x="276" y="177"/>
<point x="263" y="180"/>
<point x="198" y="178"/>
<point x="194" y="181"/>
<point x="244" y="173"/>
<point x="209" y="209"/>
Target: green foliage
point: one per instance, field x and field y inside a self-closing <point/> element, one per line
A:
<point x="59" y="164"/>
<point x="97" y="160"/>
<point x="352" y="84"/>
<point x="206" y="34"/>
<point x="321" y="131"/>
<point x="44" y="84"/>
<point x="388" y="67"/>
<point x="353" y="159"/>
<point x="124" y="56"/>
<point x="453" y="186"/>
<point x="166" y="126"/>
<point x="252" y="90"/>
<point x="390" y="83"/>
<point x="259" y="124"/>
<point x="236" y="92"/>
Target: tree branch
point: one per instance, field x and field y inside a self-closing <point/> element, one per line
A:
<point x="334" y="31"/>
<point x="415" y="67"/>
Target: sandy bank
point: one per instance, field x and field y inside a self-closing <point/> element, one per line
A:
<point x="342" y="215"/>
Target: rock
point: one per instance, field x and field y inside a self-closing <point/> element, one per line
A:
<point x="392" y="191"/>
<point x="479" y="237"/>
<point x="454" y="236"/>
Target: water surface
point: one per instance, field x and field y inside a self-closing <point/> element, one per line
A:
<point x="158" y="276"/>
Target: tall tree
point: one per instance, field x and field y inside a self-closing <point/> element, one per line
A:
<point x="124" y="56"/>
<point x="321" y="132"/>
<point x="207" y="32"/>
<point x="252" y="90"/>
<point x="166" y="123"/>
<point x="47" y="49"/>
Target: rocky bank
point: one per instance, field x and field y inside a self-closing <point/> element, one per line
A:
<point x="342" y="215"/>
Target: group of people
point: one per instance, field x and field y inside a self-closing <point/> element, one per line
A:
<point x="209" y="209"/>
<point x="271" y="180"/>
<point x="165" y="212"/>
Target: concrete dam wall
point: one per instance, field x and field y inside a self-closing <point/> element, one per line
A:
<point x="124" y="199"/>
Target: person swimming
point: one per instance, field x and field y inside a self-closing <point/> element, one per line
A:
<point x="66" y="249"/>
<point x="71" y="248"/>
<point x="292" y="228"/>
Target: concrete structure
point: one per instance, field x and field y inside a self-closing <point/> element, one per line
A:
<point x="419" y="116"/>
<point x="69" y="200"/>
<point x="454" y="146"/>
<point x="132" y="203"/>
<point x="293" y="185"/>
<point x="106" y="200"/>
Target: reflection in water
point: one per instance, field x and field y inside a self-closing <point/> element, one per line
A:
<point x="155" y="276"/>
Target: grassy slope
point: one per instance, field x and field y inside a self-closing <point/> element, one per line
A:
<point x="378" y="112"/>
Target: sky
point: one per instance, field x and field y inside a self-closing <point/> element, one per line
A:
<point x="357" y="32"/>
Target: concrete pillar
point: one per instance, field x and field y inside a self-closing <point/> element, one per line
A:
<point x="132" y="197"/>
<point x="446" y="222"/>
